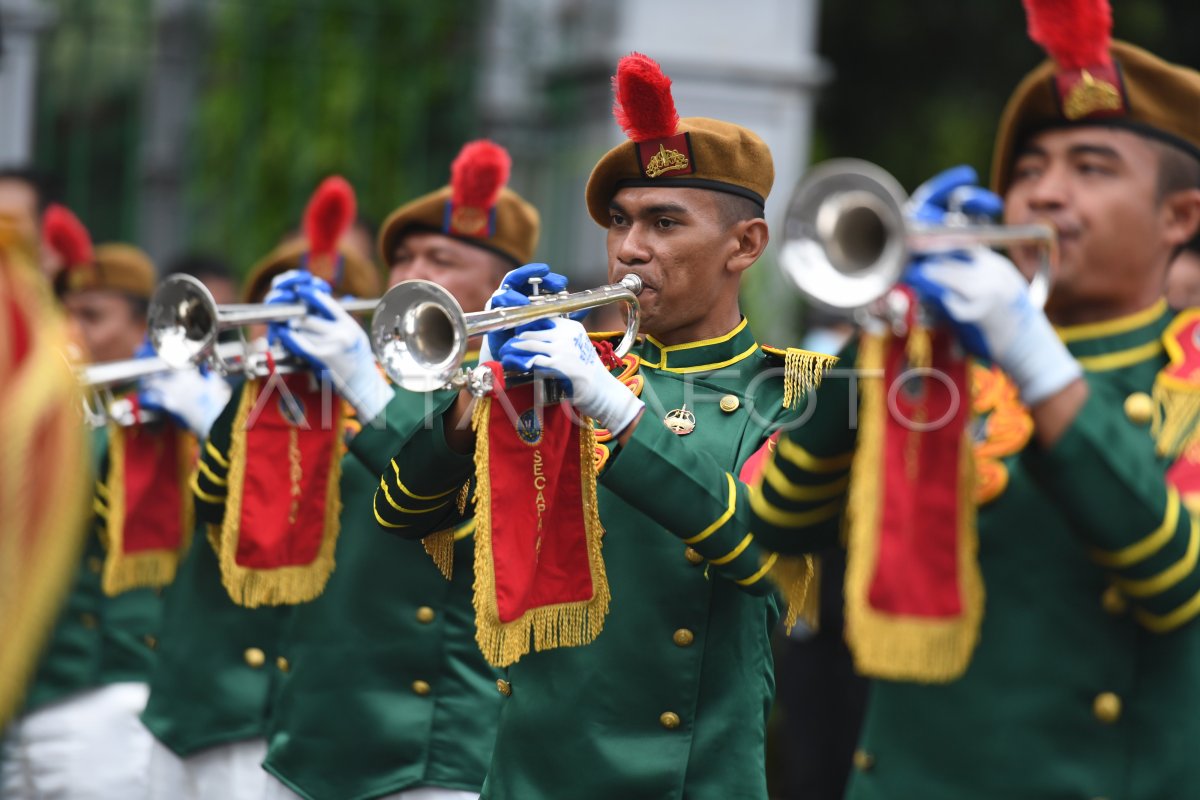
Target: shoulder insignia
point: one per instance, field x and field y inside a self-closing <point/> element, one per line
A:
<point x="802" y="370"/>
<point x="1177" y="387"/>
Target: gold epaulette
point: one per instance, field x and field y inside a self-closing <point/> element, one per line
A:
<point x="802" y="370"/>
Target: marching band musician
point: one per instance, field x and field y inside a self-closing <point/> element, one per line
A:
<point x="1054" y="653"/>
<point x="669" y="696"/>
<point x="387" y="694"/>
<point x="219" y="661"/>
<point x="79" y="735"/>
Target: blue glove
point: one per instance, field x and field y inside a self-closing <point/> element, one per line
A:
<point x="330" y="340"/>
<point x="515" y="290"/>
<point x="564" y="350"/>
<point x="952" y="190"/>
<point x="285" y="290"/>
<point x="986" y="300"/>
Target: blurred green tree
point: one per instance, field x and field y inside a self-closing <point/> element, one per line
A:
<point x="378" y="91"/>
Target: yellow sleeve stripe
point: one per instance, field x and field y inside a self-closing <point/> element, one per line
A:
<point x="203" y="495"/>
<point x="735" y="552"/>
<point x="721" y="520"/>
<point x="464" y="530"/>
<point x="403" y="488"/>
<point x="388" y="495"/>
<point x="791" y="491"/>
<point x="100" y="509"/>
<point x="1146" y="547"/>
<point x="763" y="570"/>
<point x="215" y="454"/>
<point x="383" y="521"/>
<point x="1163" y="623"/>
<point x="102" y="490"/>
<point x="210" y="475"/>
<point x="795" y="454"/>
<point x="1170" y="576"/>
<point x="791" y="519"/>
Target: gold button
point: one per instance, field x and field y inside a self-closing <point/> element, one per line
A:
<point x="683" y="637"/>
<point x="255" y="658"/>
<point x="88" y="620"/>
<point x="1113" y="601"/>
<point x="1139" y="408"/>
<point x="282" y="664"/>
<point x="1107" y="707"/>
<point x="863" y="761"/>
<point x="95" y="564"/>
<point x="151" y="641"/>
<point x="420" y="688"/>
<point x="730" y="403"/>
<point x="504" y="687"/>
<point x="669" y="720"/>
<point x="425" y="615"/>
<point x="692" y="556"/>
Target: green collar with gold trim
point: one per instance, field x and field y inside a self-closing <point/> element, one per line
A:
<point x="1121" y="342"/>
<point x="705" y="355"/>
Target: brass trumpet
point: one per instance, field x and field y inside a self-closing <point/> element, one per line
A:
<point x="847" y="240"/>
<point x="184" y="322"/>
<point x="419" y="332"/>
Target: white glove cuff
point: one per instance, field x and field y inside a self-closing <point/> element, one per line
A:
<point x="1038" y="362"/>
<point x="616" y="408"/>
<point x="369" y="393"/>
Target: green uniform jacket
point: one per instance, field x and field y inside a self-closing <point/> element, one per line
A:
<point x="98" y="639"/>
<point x="1086" y="679"/>
<point x="217" y="661"/>
<point x="387" y="689"/>
<point x="670" y="701"/>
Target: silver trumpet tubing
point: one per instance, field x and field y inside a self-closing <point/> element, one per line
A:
<point x="184" y="322"/>
<point x="420" y="332"/>
<point x="847" y="239"/>
<point x="98" y="381"/>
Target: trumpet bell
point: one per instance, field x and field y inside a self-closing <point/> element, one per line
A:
<point x="418" y="335"/>
<point x="182" y="321"/>
<point x="844" y="234"/>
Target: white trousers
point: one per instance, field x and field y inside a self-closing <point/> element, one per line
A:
<point x="90" y="746"/>
<point x="227" y="771"/>
<point x="277" y="791"/>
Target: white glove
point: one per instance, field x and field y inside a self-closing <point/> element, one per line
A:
<point x="193" y="399"/>
<point x="565" y="351"/>
<point x="330" y="339"/>
<point x="986" y="299"/>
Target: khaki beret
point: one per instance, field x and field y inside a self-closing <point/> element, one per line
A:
<point x="664" y="150"/>
<point x="1138" y="92"/>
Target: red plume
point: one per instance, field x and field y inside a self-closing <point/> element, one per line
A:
<point x="478" y="174"/>
<point x="64" y="234"/>
<point x="644" y="107"/>
<point x="329" y="214"/>
<point x="1076" y="33"/>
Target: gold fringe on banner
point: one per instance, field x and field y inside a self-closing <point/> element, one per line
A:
<point x="886" y="645"/>
<point x="39" y="547"/>
<point x="151" y="568"/>
<point x="560" y="625"/>
<point x="253" y="587"/>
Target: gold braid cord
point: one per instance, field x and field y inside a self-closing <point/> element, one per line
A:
<point x="561" y="625"/>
